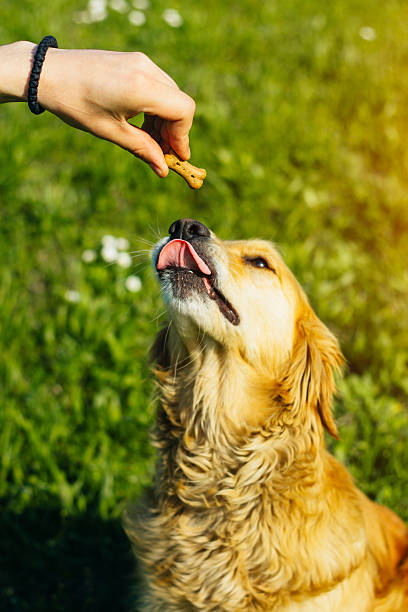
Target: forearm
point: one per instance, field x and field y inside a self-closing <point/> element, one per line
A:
<point x="15" y="67"/>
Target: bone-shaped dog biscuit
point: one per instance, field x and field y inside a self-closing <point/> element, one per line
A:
<point x="192" y="175"/>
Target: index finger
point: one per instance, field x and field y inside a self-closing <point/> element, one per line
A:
<point x="177" y="109"/>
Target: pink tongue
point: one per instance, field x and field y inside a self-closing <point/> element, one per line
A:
<point x="180" y="254"/>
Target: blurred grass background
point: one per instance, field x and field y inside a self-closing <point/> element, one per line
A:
<point x="301" y="123"/>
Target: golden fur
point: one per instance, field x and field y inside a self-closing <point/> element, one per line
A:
<point x="249" y="511"/>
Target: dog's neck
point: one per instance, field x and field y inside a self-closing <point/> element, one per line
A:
<point x="226" y="422"/>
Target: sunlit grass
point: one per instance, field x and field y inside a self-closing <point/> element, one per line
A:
<point x="301" y="123"/>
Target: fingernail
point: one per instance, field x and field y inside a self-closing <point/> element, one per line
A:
<point x="157" y="169"/>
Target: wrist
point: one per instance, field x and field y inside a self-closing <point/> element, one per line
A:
<point x="54" y="79"/>
<point x="15" y="67"/>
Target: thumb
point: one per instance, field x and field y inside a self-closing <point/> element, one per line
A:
<point x="139" y="143"/>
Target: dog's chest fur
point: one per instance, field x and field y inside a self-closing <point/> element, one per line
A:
<point x="229" y="516"/>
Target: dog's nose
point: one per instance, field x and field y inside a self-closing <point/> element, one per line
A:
<point x="186" y="229"/>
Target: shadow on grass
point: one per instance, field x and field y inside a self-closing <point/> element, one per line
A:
<point x="49" y="563"/>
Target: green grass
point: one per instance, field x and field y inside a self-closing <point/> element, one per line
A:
<point x="302" y="126"/>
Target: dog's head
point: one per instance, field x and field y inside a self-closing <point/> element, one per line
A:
<point x="241" y="296"/>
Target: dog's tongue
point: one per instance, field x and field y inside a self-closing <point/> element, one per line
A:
<point x="180" y="254"/>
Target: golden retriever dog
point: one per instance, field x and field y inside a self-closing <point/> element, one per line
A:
<point x="249" y="511"/>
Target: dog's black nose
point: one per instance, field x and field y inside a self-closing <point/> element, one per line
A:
<point x="186" y="229"/>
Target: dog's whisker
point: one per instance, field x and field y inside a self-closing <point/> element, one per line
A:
<point x="193" y="358"/>
<point x="162" y="313"/>
<point x="136" y="271"/>
<point x="175" y="368"/>
<point x="142" y="264"/>
<point x="138" y="268"/>
<point x="167" y="333"/>
<point x="156" y="231"/>
<point x="140" y="261"/>
<point x="142" y="252"/>
<point x="144" y="241"/>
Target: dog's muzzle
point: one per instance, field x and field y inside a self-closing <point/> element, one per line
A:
<point x="186" y="261"/>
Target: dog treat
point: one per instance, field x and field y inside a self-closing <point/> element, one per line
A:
<point x="192" y="175"/>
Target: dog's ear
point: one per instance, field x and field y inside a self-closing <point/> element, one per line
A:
<point x="309" y="380"/>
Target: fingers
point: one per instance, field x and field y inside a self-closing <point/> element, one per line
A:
<point x="177" y="134"/>
<point x="176" y="109"/>
<point x="176" y="131"/>
<point x="165" y="133"/>
<point x="137" y="142"/>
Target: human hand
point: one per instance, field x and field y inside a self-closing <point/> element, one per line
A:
<point x="99" y="91"/>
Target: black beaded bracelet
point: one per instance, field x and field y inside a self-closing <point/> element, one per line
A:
<point x="39" y="56"/>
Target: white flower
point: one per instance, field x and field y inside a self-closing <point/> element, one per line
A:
<point x="133" y="283"/>
<point x="311" y="197"/>
<point x="97" y="10"/>
<point x="109" y="253"/>
<point x="124" y="260"/>
<point x="72" y="296"/>
<point x="89" y="256"/>
<point x="109" y="240"/>
<point x="137" y="18"/>
<point x="121" y="6"/>
<point x="173" y="18"/>
<point x="367" y="33"/>
<point x="96" y="5"/>
<point x="122" y="244"/>
<point x="82" y="17"/>
<point x="141" y="5"/>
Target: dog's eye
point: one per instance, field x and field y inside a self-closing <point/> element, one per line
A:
<point x="258" y="262"/>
